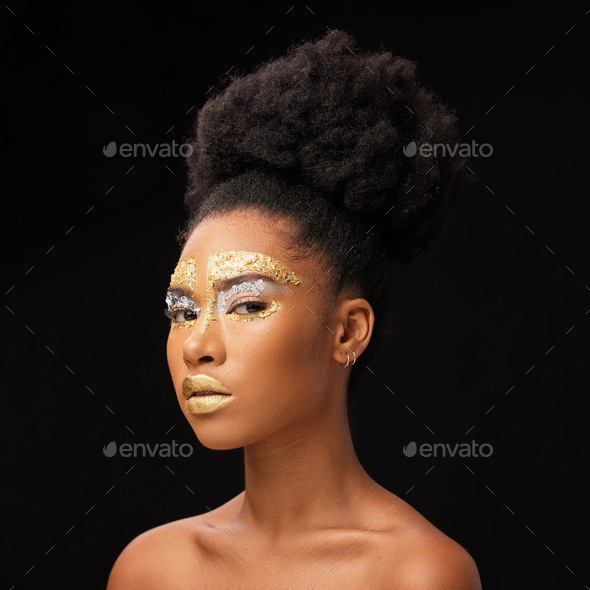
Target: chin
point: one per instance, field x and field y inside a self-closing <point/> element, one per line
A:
<point x="219" y="444"/>
<point x="217" y="437"/>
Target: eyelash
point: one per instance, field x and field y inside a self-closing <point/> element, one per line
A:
<point x="171" y="314"/>
<point x="262" y="305"/>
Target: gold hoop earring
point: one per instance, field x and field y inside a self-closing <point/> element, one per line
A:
<point x="348" y="360"/>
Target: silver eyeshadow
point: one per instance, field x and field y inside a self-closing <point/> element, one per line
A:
<point x="181" y="303"/>
<point x="225" y="297"/>
<point x="177" y="303"/>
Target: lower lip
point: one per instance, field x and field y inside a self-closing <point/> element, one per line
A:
<point x="203" y="404"/>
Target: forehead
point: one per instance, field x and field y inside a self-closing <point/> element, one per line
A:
<point x="238" y="230"/>
<point x="216" y="241"/>
<point x="218" y="238"/>
<point x="237" y="243"/>
<point x="222" y="266"/>
<point x="257" y="233"/>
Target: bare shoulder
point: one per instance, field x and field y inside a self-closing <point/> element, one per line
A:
<point x="416" y="555"/>
<point x="166" y="556"/>
<point x="429" y="560"/>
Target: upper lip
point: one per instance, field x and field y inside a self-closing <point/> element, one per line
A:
<point x="201" y="385"/>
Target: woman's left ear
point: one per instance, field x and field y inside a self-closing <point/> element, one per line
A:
<point x="358" y="320"/>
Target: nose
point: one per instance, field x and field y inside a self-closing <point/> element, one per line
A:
<point x="204" y="343"/>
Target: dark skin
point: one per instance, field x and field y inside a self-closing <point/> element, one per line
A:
<point x="310" y="515"/>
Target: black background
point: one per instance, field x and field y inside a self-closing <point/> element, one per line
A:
<point x="491" y="333"/>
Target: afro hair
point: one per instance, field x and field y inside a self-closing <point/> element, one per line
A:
<point x="318" y="136"/>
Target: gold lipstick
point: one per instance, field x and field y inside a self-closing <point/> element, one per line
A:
<point x="204" y="394"/>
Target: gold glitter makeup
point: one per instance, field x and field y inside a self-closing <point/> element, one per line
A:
<point x="224" y="266"/>
<point x="274" y="306"/>
<point x="188" y="324"/>
<point x="185" y="274"/>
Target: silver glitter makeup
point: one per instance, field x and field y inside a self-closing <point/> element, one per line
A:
<point x="224" y="265"/>
<point x="177" y="303"/>
<point x="224" y="297"/>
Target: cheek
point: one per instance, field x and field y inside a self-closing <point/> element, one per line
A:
<point x="291" y="382"/>
<point x="175" y="360"/>
<point x="287" y="355"/>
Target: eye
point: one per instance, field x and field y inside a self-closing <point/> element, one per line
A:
<point x="250" y="305"/>
<point x="182" y="314"/>
<point x="180" y="309"/>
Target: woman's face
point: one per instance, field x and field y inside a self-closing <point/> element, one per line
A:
<point x="261" y="337"/>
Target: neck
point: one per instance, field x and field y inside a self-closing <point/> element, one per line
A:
<point x="302" y="480"/>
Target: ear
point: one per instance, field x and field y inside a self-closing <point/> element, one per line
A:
<point x="354" y="326"/>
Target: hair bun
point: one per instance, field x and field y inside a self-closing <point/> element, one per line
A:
<point x="336" y="119"/>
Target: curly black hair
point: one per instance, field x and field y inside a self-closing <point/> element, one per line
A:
<point x="317" y="136"/>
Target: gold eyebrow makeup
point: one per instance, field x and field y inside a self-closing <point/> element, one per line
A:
<point x="224" y="266"/>
<point x="183" y="281"/>
<point x="185" y="273"/>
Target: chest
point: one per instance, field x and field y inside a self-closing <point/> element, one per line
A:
<point x="292" y="570"/>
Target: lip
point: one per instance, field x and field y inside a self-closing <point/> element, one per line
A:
<point x="204" y="404"/>
<point x="202" y="385"/>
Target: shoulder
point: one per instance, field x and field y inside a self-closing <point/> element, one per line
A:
<point x="430" y="560"/>
<point x="415" y="555"/>
<point x="158" y="558"/>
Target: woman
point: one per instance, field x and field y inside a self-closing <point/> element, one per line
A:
<point x="300" y="201"/>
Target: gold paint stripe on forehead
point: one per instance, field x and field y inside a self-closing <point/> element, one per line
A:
<point x="185" y="274"/>
<point x="224" y="265"/>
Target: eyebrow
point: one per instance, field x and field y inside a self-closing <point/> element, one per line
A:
<point x="179" y="290"/>
<point x="224" y="284"/>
